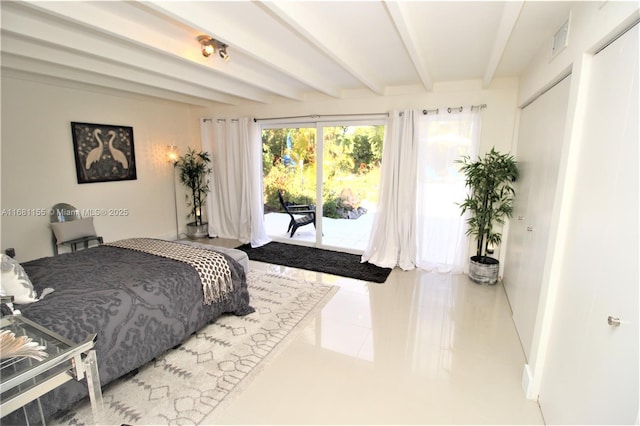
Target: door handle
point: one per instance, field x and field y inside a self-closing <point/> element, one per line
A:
<point x="613" y="321"/>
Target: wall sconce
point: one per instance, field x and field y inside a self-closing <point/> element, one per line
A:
<point x="172" y="153"/>
<point x="211" y="45"/>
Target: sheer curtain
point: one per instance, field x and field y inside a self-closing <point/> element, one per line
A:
<point x="440" y="230"/>
<point x="418" y="223"/>
<point x="234" y="206"/>
<point x="393" y="234"/>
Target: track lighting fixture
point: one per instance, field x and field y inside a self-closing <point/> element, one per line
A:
<point x="210" y="45"/>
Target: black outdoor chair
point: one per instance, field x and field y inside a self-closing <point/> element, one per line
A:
<point x="307" y="211"/>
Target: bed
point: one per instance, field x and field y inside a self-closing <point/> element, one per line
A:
<point x="139" y="304"/>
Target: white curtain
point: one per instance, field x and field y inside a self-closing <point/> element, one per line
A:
<point x="393" y="234"/>
<point x="440" y="231"/>
<point x="234" y="206"/>
<point x="418" y="223"/>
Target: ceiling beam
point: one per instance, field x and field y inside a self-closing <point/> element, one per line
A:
<point x="409" y="40"/>
<point x="510" y="14"/>
<point x="137" y="44"/>
<point x="326" y="43"/>
<point x="16" y="51"/>
<point x="204" y="18"/>
<point x="30" y="69"/>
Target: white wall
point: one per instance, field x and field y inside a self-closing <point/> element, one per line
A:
<point x="36" y="130"/>
<point x="593" y="24"/>
<point x="581" y="339"/>
<point x="38" y="166"/>
<point x="497" y="124"/>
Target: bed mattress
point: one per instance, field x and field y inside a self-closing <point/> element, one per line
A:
<point x="140" y="305"/>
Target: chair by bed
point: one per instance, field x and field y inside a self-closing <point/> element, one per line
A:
<point x="70" y="229"/>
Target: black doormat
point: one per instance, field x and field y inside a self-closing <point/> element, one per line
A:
<point x="313" y="259"/>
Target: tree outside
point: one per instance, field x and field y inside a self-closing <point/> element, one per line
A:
<point x="351" y="168"/>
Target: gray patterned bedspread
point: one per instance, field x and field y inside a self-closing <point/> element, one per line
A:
<point x="140" y="305"/>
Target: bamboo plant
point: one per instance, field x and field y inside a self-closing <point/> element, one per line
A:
<point x="194" y="169"/>
<point x="490" y="199"/>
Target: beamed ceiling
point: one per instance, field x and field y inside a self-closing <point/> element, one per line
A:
<point x="280" y="51"/>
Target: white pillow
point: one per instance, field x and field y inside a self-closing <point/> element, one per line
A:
<point x="72" y="230"/>
<point x="15" y="282"/>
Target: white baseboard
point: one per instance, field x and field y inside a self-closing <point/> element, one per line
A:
<point x="527" y="383"/>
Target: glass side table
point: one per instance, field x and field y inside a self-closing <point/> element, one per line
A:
<point x="24" y="379"/>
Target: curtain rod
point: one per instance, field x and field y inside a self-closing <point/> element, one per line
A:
<point x="452" y="109"/>
<point x="219" y="120"/>
<point x="382" y="114"/>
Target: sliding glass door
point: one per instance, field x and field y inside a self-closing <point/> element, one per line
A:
<point x="351" y="157"/>
<point x="289" y="172"/>
<point x="344" y="189"/>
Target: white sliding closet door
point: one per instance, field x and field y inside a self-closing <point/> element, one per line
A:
<point x="591" y="372"/>
<point x="540" y="137"/>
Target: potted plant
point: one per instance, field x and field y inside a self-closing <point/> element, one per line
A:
<point x="194" y="168"/>
<point x="489" y="201"/>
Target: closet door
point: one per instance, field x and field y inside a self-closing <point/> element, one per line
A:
<point x="591" y="372"/>
<point x="540" y="137"/>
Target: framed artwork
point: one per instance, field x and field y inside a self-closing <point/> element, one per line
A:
<point x="103" y="152"/>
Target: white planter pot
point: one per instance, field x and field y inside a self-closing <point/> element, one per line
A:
<point x="485" y="271"/>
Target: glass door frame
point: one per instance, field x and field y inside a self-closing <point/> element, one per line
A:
<point x="319" y="125"/>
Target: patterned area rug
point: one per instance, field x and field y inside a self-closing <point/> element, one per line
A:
<point x="186" y="384"/>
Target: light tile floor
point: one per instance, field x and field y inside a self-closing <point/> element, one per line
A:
<point x="422" y="348"/>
